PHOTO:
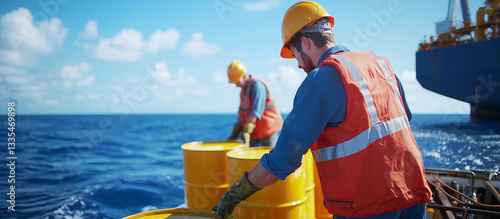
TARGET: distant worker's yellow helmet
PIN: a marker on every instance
(298, 16)
(235, 71)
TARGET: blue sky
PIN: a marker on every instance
(115, 57)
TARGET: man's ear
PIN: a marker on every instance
(305, 43)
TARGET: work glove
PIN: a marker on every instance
(236, 131)
(238, 192)
(247, 131)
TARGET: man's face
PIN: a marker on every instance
(304, 61)
(241, 82)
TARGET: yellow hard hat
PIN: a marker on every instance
(235, 71)
(298, 16)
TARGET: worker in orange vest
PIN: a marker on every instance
(351, 112)
(259, 118)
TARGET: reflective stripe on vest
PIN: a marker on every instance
(361, 141)
(388, 77)
(362, 84)
(268, 107)
(378, 130)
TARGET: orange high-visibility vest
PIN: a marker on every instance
(271, 120)
(370, 164)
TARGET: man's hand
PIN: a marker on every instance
(238, 192)
(247, 131)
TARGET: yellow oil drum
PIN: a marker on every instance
(321, 212)
(308, 163)
(177, 213)
(284, 199)
(205, 172)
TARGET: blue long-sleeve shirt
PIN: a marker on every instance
(320, 101)
(258, 95)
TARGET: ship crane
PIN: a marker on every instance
(451, 22)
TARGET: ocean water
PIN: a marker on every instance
(111, 166)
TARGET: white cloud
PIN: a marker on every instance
(87, 81)
(160, 85)
(74, 72)
(196, 46)
(37, 89)
(288, 78)
(200, 91)
(19, 79)
(86, 46)
(129, 46)
(75, 75)
(33, 89)
(274, 60)
(115, 98)
(90, 31)
(27, 87)
(118, 88)
(22, 42)
(408, 76)
(261, 5)
(162, 75)
(44, 102)
(178, 91)
(10, 70)
(284, 84)
(15, 76)
(220, 77)
(163, 40)
(164, 85)
(161, 72)
(125, 46)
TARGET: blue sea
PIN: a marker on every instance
(111, 166)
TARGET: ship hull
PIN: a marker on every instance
(468, 72)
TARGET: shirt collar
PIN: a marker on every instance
(330, 52)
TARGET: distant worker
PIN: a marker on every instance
(259, 119)
(351, 112)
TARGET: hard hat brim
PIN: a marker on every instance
(286, 53)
